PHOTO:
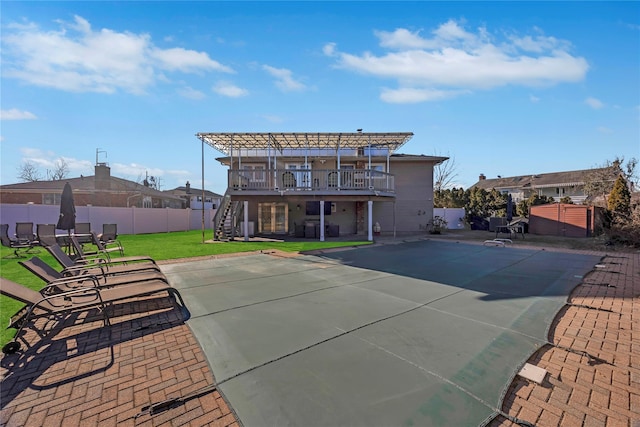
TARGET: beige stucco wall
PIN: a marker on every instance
(414, 199)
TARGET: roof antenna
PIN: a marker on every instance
(98, 151)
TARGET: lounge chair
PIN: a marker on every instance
(115, 246)
(16, 245)
(70, 267)
(46, 234)
(82, 231)
(103, 255)
(44, 304)
(25, 234)
(50, 275)
(109, 235)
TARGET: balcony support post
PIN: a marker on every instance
(322, 220)
(370, 220)
(246, 220)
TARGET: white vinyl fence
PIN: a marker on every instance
(453, 216)
(129, 220)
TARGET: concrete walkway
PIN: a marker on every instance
(80, 375)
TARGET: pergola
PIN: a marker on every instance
(273, 142)
(227, 142)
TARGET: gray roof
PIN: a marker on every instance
(86, 184)
(195, 191)
(544, 180)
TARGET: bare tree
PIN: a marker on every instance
(444, 174)
(599, 182)
(60, 170)
(28, 172)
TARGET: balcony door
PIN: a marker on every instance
(302, 173)
(273, 218)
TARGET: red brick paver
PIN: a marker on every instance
(594, 365)
(82, 373)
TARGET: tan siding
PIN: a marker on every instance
(414, 199)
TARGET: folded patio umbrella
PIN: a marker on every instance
(67, 219)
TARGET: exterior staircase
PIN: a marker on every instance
(226, 219)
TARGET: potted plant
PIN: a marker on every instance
(438, 223)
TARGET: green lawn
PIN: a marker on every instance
(162, 246)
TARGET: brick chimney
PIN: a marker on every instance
(482, 177)
(103, 176)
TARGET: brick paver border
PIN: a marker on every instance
(147, 369)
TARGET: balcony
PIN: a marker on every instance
(312, 181)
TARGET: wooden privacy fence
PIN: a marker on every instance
(558, 219)
(129, 220)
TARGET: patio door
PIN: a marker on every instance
(273, 218)
(302, 173)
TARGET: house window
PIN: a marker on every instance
(51, 199)
(253, 173)
(146, 202)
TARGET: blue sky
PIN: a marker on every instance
(504, 88)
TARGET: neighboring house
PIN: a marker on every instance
(193, 197)
(556, 184)
(102, 189)
(323, 184)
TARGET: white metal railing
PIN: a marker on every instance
(310, 179)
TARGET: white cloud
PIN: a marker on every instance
(534, 99)
(230, 90)
(454, 59)
(191, 93)
(15, 114)
(284, 79)
(47, 160)
(77, 58)
(594, 103)
(413, 96)
(329, 49)
(187, 61)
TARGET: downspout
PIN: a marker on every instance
(338, 154)
(269, 157)
(370, 161)
(202, 157)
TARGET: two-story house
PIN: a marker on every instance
(555, 184)
(318, 185)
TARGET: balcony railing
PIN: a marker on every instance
(310, 179)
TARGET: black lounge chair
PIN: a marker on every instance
(103, 255)
(46, 234)
(109, 236)
(114, 246)
(123, 265)
(47, 303)
(25, 234)
(50, 275)
(16, 245)
(82, 231)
